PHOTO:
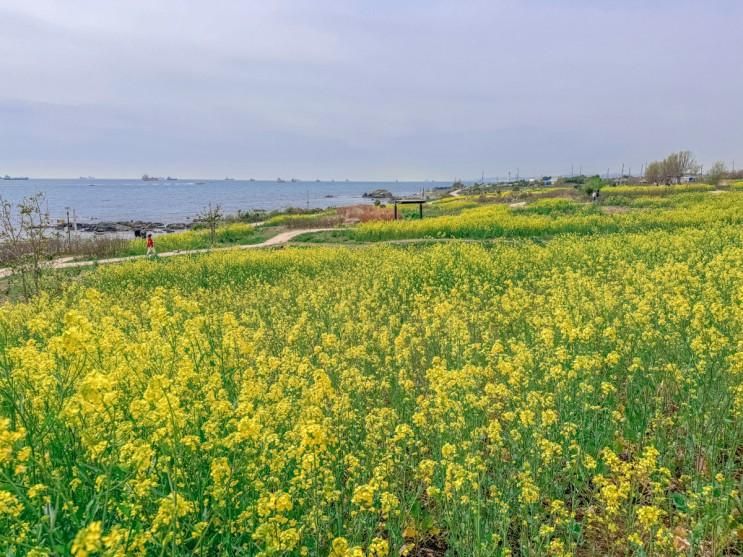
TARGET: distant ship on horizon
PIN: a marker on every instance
(6, 177)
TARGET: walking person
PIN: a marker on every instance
(150, 245)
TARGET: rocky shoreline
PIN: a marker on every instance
(379, 194)
(106, 227)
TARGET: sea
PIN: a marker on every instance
(90, 200)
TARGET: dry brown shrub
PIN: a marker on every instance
(365, 213)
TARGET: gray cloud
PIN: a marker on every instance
(364, 89)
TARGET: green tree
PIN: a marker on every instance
(592, 184)
(654, 172)
(717, 172)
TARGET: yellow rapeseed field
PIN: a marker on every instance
(576, 395)
(556, 216)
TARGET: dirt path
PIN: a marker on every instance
(282, 238)
(456, 193)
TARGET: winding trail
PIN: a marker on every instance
(279, 239)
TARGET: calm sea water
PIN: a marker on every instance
(179, 201)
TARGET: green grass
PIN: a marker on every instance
(228, 235)
(645, 201)
(342, 235)
(655, 190)
(328, 217)
(556, 207)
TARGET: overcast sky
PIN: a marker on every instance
(374, 89)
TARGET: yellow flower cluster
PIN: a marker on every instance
(548, 217)
(582, 394)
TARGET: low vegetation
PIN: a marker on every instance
(221, 236)
(548, 218)
(575, 390)
(317, 219)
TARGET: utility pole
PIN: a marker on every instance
(69, 230)
(572, 173)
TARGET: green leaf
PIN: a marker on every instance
(679, 501)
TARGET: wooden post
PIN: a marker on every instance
(395, 211)
(420, 209)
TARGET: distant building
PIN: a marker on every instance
(547, 180)
(687, 179)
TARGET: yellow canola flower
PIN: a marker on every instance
(9, 505)
(577, 389)
(88, 540)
